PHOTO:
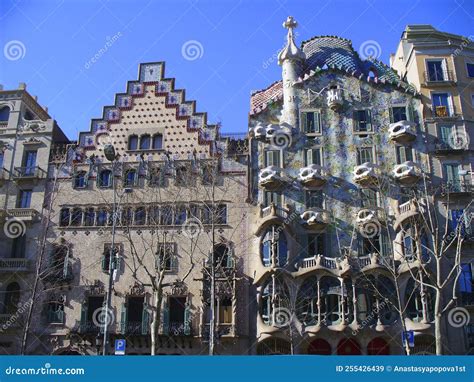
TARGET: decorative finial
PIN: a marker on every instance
(290, 51)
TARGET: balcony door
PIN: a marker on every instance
(436, 70)
(29, 162)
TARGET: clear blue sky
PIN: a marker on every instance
(238, 40)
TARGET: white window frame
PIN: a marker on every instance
(444, 67)
(371, 116)
(374, 159)
(407, 112)
(319, 112)
(450, 101)
(321, 156)
(280, 158)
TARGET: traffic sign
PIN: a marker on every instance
(120, 346)
(410, 336)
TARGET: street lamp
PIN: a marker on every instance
(110, 154)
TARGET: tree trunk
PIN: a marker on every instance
(438, 323)
(155, 324)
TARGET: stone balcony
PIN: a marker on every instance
(365, 174)
(407, 210)
(270, 178)
(272, 133)
(14, 265)
(407, 173)
(312, 176)
(368, 215)
(402, 132)
(25, 214)
(315, 219)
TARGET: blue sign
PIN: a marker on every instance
(120, 346)
(410, 336)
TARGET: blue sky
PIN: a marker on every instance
(236, 44)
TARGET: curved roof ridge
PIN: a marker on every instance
(254, 92)
(303, 43)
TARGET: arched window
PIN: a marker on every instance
(319, 347)
(130, 178)
(64, 217)
(11, 298)
(275, 308)
(80, 179)
(28, 116)
(127, 216)
(419, 300)
(132, 142)
(378, 346)
(140, 216)
(307, 302)
(274, 247)
(372, 73)
(105, 178)
(274, 346)
(348, 346)
(331, 300)
(157, 142)
(4, 114)
(76, 217)
(145, 142)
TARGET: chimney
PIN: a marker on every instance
(35, 98)
(22, 86)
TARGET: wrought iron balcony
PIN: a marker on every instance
(443, 112)
(29, 173)
(134, 328)
(177, 329)
(460, 186)
(445, 148)
(438, 77)
(14, 265)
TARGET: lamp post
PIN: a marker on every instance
(111, 155)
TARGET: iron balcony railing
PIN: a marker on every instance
(443, 112)
(439, 76)
(29, 172)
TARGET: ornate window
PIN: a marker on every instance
(101, 217)
(275, 306)
(64, 217)
(274, 247)
(76, 217)
(139, 216)
(116, 259)
(166, 257)
(55, 312)
(89, 217)
(419, 300)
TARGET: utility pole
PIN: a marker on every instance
(212, 325)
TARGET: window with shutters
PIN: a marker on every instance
(398, 113)
(403, 154)
(130, 178)
(18, 247)
(132, 316)
(272, 158)
(362, 121)
(270, 197)
(116, 259)
(274, 247)
(166, 259)
(314, 199)
(368, 198)
(378, 244)
(89, 313)
(80, 179)
(223, 309)
(104, 179)
(451, 177)
(55, 313)
(313, 156)
(311, 122)
(24, 199)
(178, 310)
(442, 105)
(445, 134)
(156, 177)
(364, 155)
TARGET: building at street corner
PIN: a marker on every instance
(338, 155)
(309, 234)
(441, 67)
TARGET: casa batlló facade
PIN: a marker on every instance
(301, 237)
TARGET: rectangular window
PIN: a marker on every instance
(272, 197)
(470, 69)
(314, 199)
(442, 105)
(24, 199)
(272, 158)
(29, 162)
(55, 313)
(316, 245)
(436, 70)
(398, 113)
(224, 310)
(18, 247)
(368, 198)
(106, 257)
(313, 156)
(451, 176)
(177, 306)
(456, 220)
(404, 154)
(364, 155)
(466, 281)
(445, 133)
(165, 256)
(311, 122)
(472, 100)
(362, 121)
(221, 214)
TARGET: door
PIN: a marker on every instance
(30, 162)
